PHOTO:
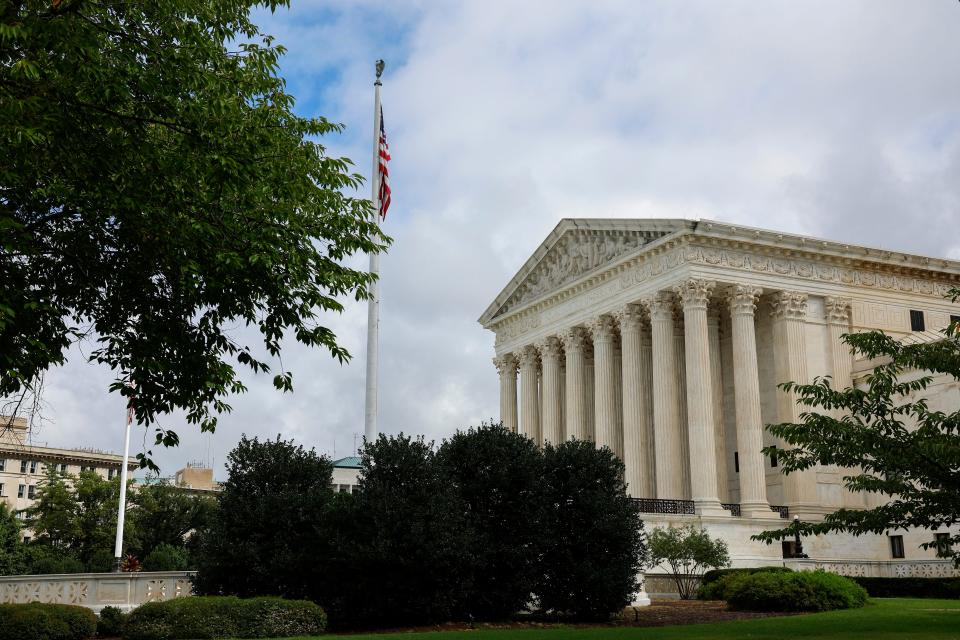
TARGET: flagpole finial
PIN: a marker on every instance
(380, 65)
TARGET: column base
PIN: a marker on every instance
(709, 508)
(758, 511)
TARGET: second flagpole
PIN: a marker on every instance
(370, 429)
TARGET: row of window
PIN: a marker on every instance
(942, 540)
(31, 466)
(917, 322)
(23, 491)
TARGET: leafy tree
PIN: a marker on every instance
(498, 474)
(409, 543)
(263, 537)
(906, 450)
(167, 557)
(688, 552)
(96, 511)
(593, 543)
(162, 514)
(53, 516)
(13, 557)
(157, 188)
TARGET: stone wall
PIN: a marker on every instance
(97, 590)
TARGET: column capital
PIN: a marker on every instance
(743, 298)
(573, 339)
(694, 293)
(505, 364)
(630, 317)
(527, 356)
(549, 347)
(602, 329)
(660, 306)
(837, 310)
(790, 305)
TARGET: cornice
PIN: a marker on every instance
(756, 251)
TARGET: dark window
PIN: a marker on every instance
(773, 457)
(789, 548)
(23, 466)
(954, 319)
(32, 491)
(943, 545)
(736, 461)
(21, 490)
(3, 464)
(896, 546)
(916, 320)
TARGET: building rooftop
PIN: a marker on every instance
(350, 462)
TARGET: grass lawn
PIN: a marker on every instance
(895, 618)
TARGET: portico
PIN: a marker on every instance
(666, 340)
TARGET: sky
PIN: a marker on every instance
(833, 119)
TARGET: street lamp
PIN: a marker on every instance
(797, 543)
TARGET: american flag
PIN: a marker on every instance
(384, 174)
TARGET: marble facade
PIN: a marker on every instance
(665, 340)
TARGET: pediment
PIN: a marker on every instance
(575, 249)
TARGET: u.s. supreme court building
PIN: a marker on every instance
(665, 340)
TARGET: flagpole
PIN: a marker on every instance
(122, 508)
(373, 303)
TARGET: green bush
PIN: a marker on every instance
(224, 617)
(946, 588)
(43, 621)
(166, 557)
(716, 582)
(797, 591)
(110, 624)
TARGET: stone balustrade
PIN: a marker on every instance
(97, 590)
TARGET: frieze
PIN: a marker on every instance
(811, 270)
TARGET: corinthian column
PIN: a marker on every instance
(837, 312)
(695, 295)
(637, 460)
(789, 312)
(507, 368)
(716, 387)
(746, 383)
(666, 413)
(529, 394)
(549, 349)
(573, 341)
(605, 409)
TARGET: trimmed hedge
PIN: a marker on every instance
(945, 588)
(110, 624)
(716, 582)
(224, 617)
(796, 591)
(44, 621)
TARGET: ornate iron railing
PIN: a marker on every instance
(656, 505)
(732, 507)
(783, 510)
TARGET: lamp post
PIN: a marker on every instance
(797, 543)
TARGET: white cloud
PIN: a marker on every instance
(834, 119)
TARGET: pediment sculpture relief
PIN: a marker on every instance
(574, 255)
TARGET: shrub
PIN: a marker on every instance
(592, 535)
(687, 552)
(110, 624)
(716, 582)
(796, 591)
(224, 617)
(43, 621)
(167, 557)
(946, 588)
